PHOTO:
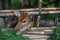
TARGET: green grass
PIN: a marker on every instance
(8, 35)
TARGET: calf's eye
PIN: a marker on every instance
(24, 21)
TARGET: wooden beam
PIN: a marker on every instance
(6, 11)
(45, 12)
(52, 9)
(41, 32)
(6, 14)
(43, 9)
(36, 36)
(32, 9)
(43, 28)
(50, 12)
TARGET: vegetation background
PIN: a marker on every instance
(17, 4)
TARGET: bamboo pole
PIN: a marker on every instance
(8, 13)
(40, 33)
(32, 9)
(43, 28)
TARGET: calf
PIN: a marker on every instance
(24, 22)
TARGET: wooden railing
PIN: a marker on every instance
(31, 11)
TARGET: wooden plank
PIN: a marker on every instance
(42, 28)
(50, 12)
(6, 14)
(6, 10)
(36, 36)
(31, 9)
(45, 12)
(40, 33)
(49, 30)
(38, 39)
(52, 9)
(37, 9)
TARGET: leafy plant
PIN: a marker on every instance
(56, 35)
(8, 35)
(48, 3)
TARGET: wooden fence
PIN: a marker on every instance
(31, 11)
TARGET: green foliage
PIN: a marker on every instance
(58, 15)
(35, 3)
(47, 16)
(48, 3)
(56, 35)
(8, 35)
(6, 4)
(16, 4)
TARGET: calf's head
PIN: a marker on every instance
(24, 22)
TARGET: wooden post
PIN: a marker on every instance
(55, 19)
(38, 19)
(40, 4)
(56, 15)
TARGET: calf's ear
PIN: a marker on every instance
(31, 17)
(17, 13)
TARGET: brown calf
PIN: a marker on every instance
(24, 22)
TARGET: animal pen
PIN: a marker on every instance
(34, 15)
